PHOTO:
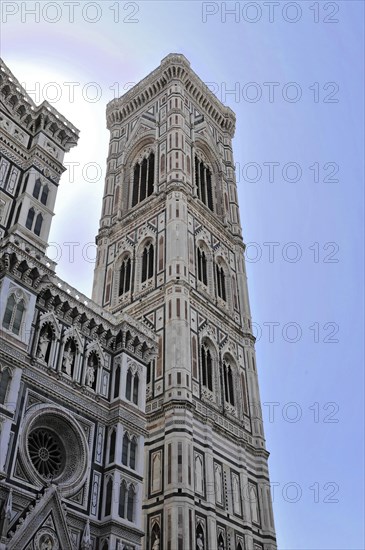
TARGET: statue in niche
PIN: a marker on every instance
(43, 343)
(92, 364)
(200, 542)
(68, 359)
(90, 376)
(156, 544)
(221, 547)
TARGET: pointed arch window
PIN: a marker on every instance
(221, 282)
(130, 503)
(133, 453)
(129, 451)
(201, 261)
(128, 389)
(38, 224)
(17, 213)
(108, 496)
(112, 442)
(116, 382)
(147, 262)
(125, 276)
(203, 182)
(44, 195)
(228, 383)
(132, 387)
(30, 218)
(122, 498)
(207, 367)
(150, 368)
(125, 449)
(143, 179)
(5, 378)
(37, 188)
(244, 394)
(14, 311)
(135, 389)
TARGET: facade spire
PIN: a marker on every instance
(86, 539)
(6, 516)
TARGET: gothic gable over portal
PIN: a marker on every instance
(44, 526)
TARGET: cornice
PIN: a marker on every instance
(26, 113)
(48, 286)
(173, 67)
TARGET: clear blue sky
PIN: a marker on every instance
(310, 124)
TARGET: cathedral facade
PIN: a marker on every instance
(131, 420)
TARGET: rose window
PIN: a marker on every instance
(53, 446)
(46, 452)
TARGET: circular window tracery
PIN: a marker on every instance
(53, 447)
(46, 452)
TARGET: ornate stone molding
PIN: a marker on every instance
(173, 67)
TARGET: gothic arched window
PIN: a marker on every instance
(201, 261)
(130, 503)
(125, 276)
(203, 182)
(17, 213)
(147, 262)
(207, 368)
(5, 377)
(38, 224)
(228, 383)
(135, 389)
(122, 499)
(143, 179)
(37, 188)
(116, 382)
(30, 218)
(132, 387)
(108, 496)
(129, 451)
(149, 369)
(44, 195)
(14, 312)
(125, 449)
(244, 394)
(133, 453)
(112, 442)
(221, 282)
(128, 388)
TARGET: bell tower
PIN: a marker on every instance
(171, 255)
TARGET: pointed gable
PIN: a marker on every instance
(46, 520)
